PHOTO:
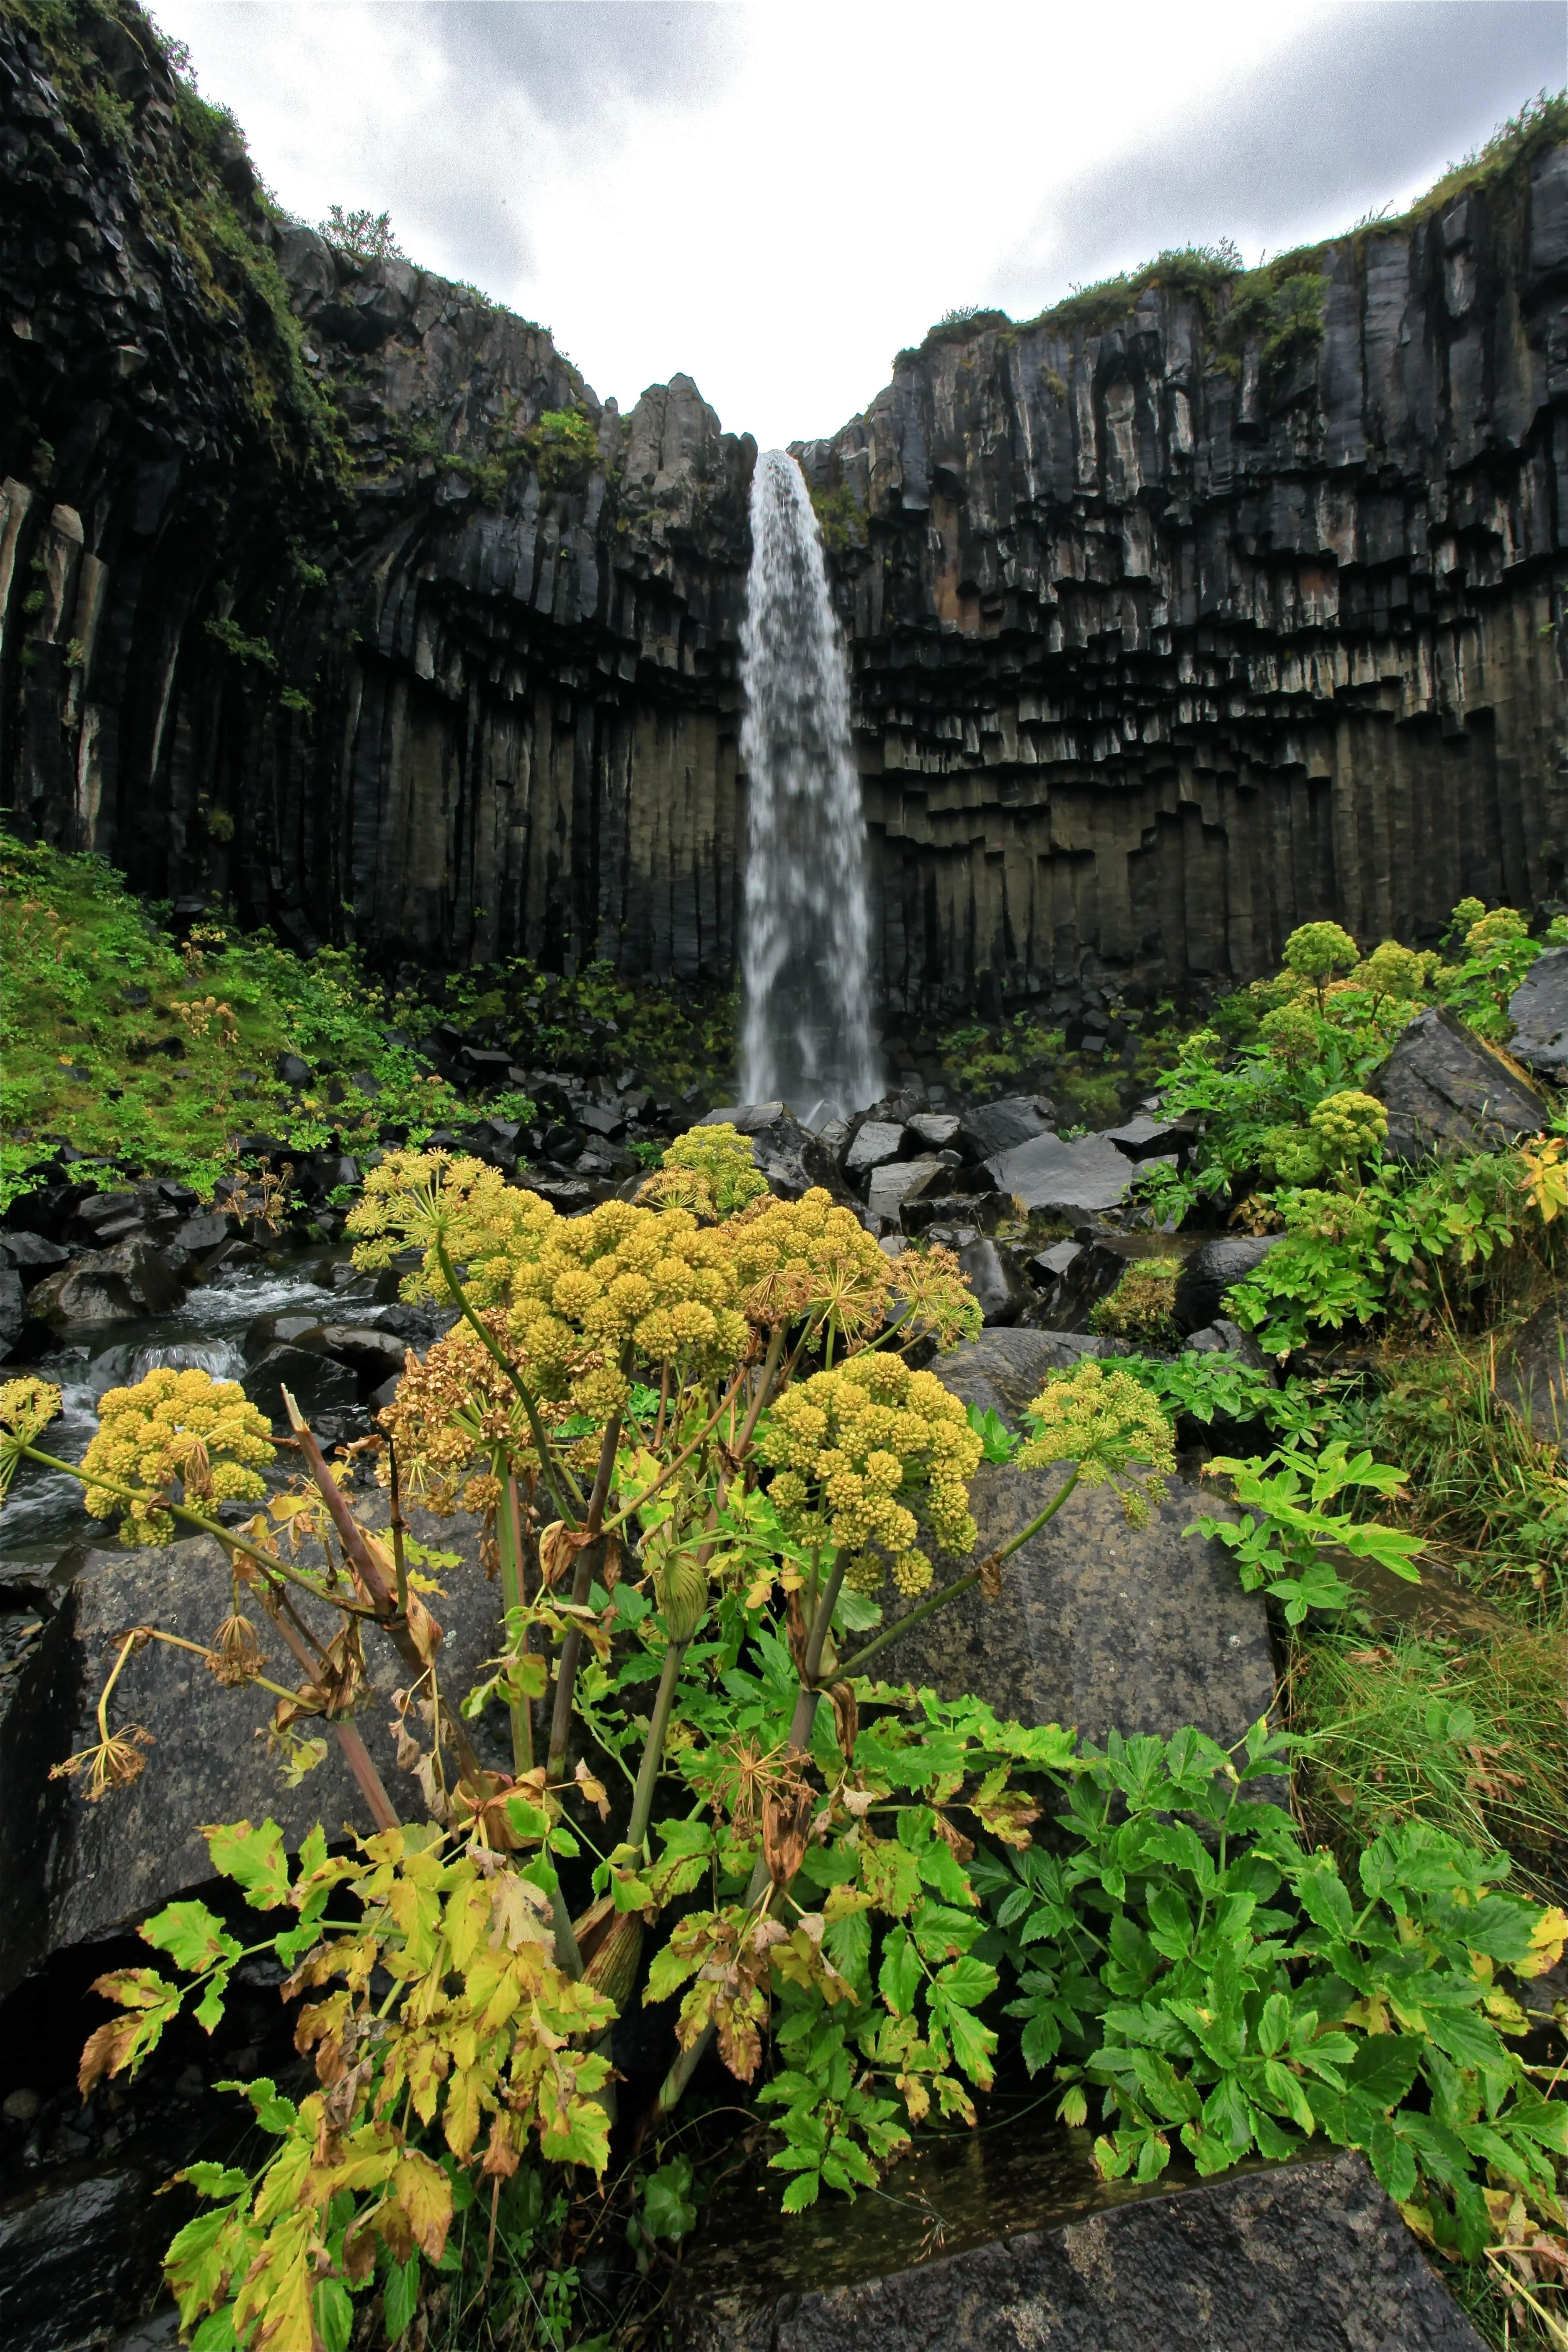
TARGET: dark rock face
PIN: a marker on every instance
(1209, 1272)
(1197, 644)
(1101, 1625)
(108, 1286)
(318, 1384)
(991, 1275)
(1538, 1011)
(1312, 2255)
(74, 2253)
(102, 1866)
(1532, 1373)
(1200, 647)
(1442, 1086)
(998, 1126)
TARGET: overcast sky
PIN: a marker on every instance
(775, 194)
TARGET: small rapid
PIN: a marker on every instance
(44, 1509)
(807, 1030)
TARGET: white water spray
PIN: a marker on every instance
(806, 1036)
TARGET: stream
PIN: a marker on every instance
(44, 1512)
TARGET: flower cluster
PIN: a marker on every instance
(1349, 1125)
(793, 1258)
(710, 1170)
(28, 1406)
(415, 1200)
(587, 1289)
(450, 1417)
(1109, 1424)
(846, 1446)
(1315, 952)
(184, 1425)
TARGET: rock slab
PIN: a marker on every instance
(1538, 1011)
(1057, 1179)
(1101, 1625)
(1312, 2256)
(102, 1866)
(1443, 1087)
(1533, 1372)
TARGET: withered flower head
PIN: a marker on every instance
(113, 1763)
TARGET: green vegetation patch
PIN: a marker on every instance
(153, 1059)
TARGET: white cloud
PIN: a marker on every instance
(773, 197)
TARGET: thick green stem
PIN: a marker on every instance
(653, 1749)
(555, 1471)
(581, 1579)
(510, 1531)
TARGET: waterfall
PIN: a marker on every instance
(806, 1033)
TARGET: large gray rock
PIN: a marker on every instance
(1443, 1086)
(1533, 1372)
(1008, 1369)
(108, 1286)
(1101, 1625)
(318, 1383)
(892, 1184)
(792, 1159)
(99, 1867)
(11, 1315)
(998, 1126)
(1311, 2256)
(1056, 1179)
(877, 1141)
(1147, 1137)
(1538, 1011)
(1211, 1269)
(77, 2252)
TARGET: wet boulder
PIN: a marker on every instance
(109, 1285)
(12, 1317)
(1210, 1271)
(1148, 1137)
(375, 1355)
(937, 1130)
(1538, 1011)
(102, 1866)
(1533, 1372)
(1312, 2255)
(993, 1277)
(876, 1141)
(1444, 1088)
(934, 1210)
(896, 1181)
(1001, 1126)
(320, 1386)
(793, 1160)
(1101, 1624)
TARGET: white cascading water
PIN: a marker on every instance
(807, 1031)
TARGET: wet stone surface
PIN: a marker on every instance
(91, 1869)
(1009, 2243)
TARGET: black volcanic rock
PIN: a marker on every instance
(1443, 1087)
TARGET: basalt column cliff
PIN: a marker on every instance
(1202, 606)
(1165, 642)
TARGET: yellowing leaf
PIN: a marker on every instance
(423, 2195)
(1547, 1938)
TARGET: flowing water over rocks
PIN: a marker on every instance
(807, 1036)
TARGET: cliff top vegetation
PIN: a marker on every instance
(1276, 298)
